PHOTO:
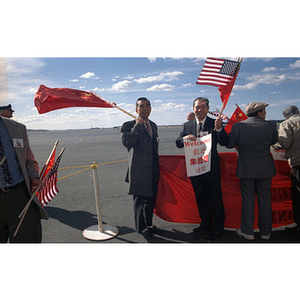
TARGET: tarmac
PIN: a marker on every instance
(74, 208)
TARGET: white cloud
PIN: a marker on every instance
(255, 80)
(74, 80)
(269, 69)
(168, 76)
(295, 65)
(121, 86)
(88, 75)
(161, 87)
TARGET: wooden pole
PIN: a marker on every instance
(125, 111)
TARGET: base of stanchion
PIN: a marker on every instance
(93, 233)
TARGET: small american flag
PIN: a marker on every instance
(217, 72)
(49, 190)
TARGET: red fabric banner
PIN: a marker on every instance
(47, 99)
(176, 199)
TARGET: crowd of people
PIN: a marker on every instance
(253, 137)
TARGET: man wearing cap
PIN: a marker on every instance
(289, 139)
(6, 111)
(19, 178)
(255, 167)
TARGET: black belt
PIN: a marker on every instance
(7, 189)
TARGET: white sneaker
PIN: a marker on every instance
(244, 235)
(265, 237)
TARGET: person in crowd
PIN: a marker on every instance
(253, 138)
(207, 187)
(140, 137)
(6, 111)
(289, 139)
(19, 177)
(190, 116)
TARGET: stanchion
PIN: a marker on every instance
(101, 231)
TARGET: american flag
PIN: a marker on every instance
(217, 72)
(49, 190)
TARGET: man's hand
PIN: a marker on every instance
(139, 120)
(190, 137)
(218, 123)
(35, 184)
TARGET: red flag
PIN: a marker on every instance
(49, 190)
(237, 116)
(47, 99)
(176, 200)
(49, 163)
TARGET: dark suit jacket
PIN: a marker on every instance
(190, 127)
(27, 162)
(253, 137)
(143, 157)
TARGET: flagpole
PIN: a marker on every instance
(125, 111)
(23, 213)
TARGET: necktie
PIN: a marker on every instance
(200, 129)
(149, 129)
(4, 165)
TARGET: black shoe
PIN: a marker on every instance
(293, 229)
(148, 235)
(215, 235)
(202, 228)
(155, 230)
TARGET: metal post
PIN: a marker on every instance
(100, 231)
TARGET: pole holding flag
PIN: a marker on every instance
(100, 231)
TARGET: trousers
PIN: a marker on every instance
(143, 208)
(262, 189)
(12, 202)
(295, 193)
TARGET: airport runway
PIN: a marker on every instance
(74, 208)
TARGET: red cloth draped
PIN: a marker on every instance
(176, 199)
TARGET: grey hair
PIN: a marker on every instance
(289, 111)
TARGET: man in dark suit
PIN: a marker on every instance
(19, 177)
(140, 137)
(207, 187)
(255, 167)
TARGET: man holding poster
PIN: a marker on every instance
(206, 182)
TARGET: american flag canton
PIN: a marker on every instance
(55, 166)
(229, 67)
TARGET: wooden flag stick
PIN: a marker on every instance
(125, 111)
(25, 210)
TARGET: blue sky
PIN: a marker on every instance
(169, 83)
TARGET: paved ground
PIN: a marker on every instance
(74, 209)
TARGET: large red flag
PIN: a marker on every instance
(176, 200)
(237, 116)
(47, 99)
